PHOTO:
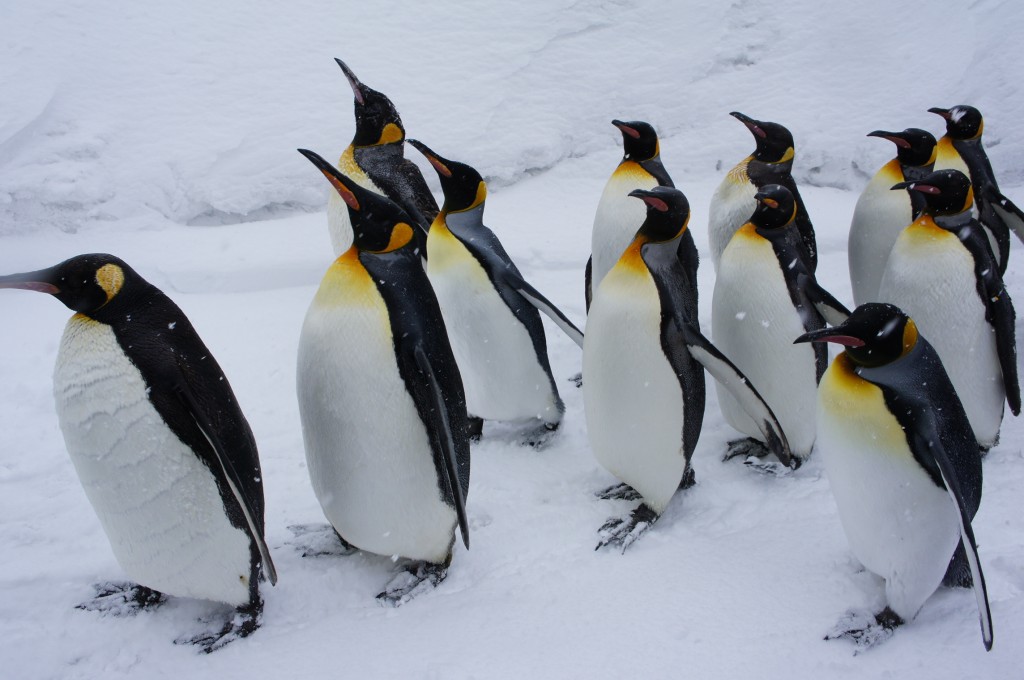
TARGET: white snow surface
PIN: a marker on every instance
(165, 134)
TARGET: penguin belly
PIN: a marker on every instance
(632, 399)
(501, 373)
(930, 275)
(732, 204)
(157, 501)
(618, 217)
(339, 226)
(367, 450)
(754, 323)
(900, 524)
(879, 217)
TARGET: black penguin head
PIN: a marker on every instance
(639, 140)
(776, 208)
(377, 119)
(945, 192)
(962, 121)
(379, 225)
(85, 283)
(774, 142)
(914, 146)
(462, 185)
(668, 213)
(874, 334)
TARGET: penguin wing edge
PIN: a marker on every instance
(1011, 215)
(533, 296)
(832, 310)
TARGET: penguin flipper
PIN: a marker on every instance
(1011, 215)
(832, 310)
(534, 297)
(227, 468)
(1000, 314)
(443, 427)
(588, 282)
(730, 377)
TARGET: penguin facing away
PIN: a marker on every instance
(881, 214)
(733, 200)
(375, 160)
(619, 216)
(941, 269)
(643, 383)
(764, 297)
(492, 313)
(901, 459)
(164, 454)
(380, 398)
(961, 149)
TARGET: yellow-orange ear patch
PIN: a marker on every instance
(110, 278)
(391, 134)
(401, 234)
(910, 336)
(788, 156)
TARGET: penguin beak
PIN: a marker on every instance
(626, 129)
(945, 113)
(917, 186)
(40, 281)
(833, 334)
(434, 159)
(337, 180)
(893, 137)
(650, 199)
(761, 197)
(353, 82)
(752, 125)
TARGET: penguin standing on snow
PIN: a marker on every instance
(881, 214)
(942, 274)
(619, 216)
(733, 201)
(764, 297)
(375, 160)
(164, 454)
(492, 314)
(381, 402)
(643, 385)
(902, 463)
(961, 149)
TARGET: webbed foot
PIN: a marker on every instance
(122, 599)
(755, 451)
(243, 622)
(865, 630)
(624, 531)
(577, 380)
(619, 492)
(474, 428)
(414, 579)
(540, 437)
(319, 540)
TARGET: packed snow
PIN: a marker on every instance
(167, 134)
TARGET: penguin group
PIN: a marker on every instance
(423, 328)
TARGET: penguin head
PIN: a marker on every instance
(945, 192)
(774, 141)
(639, 140)
(85, 283)
(776, 208)
(463, 187)
(962, 121)
(377, 119)
(914, 146)
(875, 334)
(668, 213)
(379, 225)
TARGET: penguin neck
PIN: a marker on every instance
(762, 173)
(954, 222)
(463, 223)
(915, 173)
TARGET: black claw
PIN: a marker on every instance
(243, 623)
(122, 599)
(623, 531)
(619, 492)
(414, 579)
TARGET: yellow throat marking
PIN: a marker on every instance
(347, 282)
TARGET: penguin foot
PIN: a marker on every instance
(243, 623)
(474, 428)
(755, 451)
(540, 437)
(624, 531)
(866, 630)
(619, 492)
(577, 379)
(414, 579)
(320, 540)
(122, 599)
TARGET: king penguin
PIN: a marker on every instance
(942, 273)
(733, 200)
(380, 398)
(492, 313)
(961, 149)
(158, 440)
(643, 385)
(902, 463)
(619, 216)
(375, 160)
(764, 297)
(881, 214)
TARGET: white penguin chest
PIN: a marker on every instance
(732, 204)
(156, 500)
(632, 398)
(618, 218)
(878, 218)
(339, 225)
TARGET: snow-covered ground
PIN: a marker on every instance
(165, 133)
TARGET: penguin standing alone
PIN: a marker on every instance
(643, 385)
(380, 398)
(901, 459)
(764, 297)
(733, 201)
(491, 312)
(164, 454)
(881, 214)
